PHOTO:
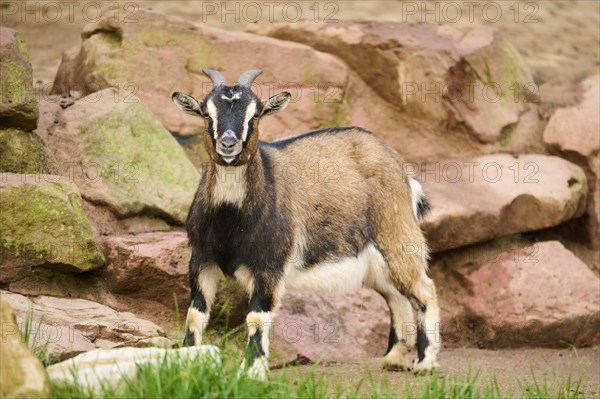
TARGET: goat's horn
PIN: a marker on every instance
(248, 77)
(217, 77)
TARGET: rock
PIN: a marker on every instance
(575, 129)
(541, 295)
(107, 223)
(18, 101)
(331, 327)
(143, 224)
(97, 369)
(471, 77)
(23, 152)
(50, 114)
(160, 54)
(573, 133)
(152, 266)
(22, 375)
(195, 149)
(143, 274)
(496, 195)
(91, 285)
(72, 326)
(448, 269)
(121, 157)
(94, 287)
(43, 225)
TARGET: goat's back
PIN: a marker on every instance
(342, 185)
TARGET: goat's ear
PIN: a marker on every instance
(187, 104)
(276, 103)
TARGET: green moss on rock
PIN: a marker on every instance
(506, 134)
(23, 152)
(151, 160)
(21, 46)
(43, 225)
(142, 170)
(18, 102)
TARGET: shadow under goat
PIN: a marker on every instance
(328, 210)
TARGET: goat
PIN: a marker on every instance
(327, 210)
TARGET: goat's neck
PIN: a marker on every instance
(234, 184)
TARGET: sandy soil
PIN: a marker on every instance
(512, 369)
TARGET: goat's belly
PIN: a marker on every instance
(343, 275)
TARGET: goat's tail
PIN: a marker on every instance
(420, 203)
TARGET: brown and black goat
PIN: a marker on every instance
(328, 210)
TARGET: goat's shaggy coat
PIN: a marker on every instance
(328, 210)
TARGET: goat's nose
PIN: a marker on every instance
(228, 140)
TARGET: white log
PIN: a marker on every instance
(108, 367)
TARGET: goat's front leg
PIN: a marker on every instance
(264, 302)
(204, 278)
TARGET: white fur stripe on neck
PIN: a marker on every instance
(230, 185)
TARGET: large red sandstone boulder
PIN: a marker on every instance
(121, 157)
(332, 327)
(473, 77)
(71, 326)
(538, 295)
(160, 54)
(94, 287)
(152, 266)
(574, 133)
(496, 195)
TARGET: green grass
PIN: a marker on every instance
(31, 337)
(196, 378)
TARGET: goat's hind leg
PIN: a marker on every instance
(424, 301)
(407, 271)
(402, 323)
(402, 330)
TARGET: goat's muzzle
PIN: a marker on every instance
(228, 146)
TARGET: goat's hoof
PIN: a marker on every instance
(396, 367)
(425, 366)
(258, 371)
(397, 359)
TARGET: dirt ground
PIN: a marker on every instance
(513, 370)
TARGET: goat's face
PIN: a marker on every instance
(231, 115)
